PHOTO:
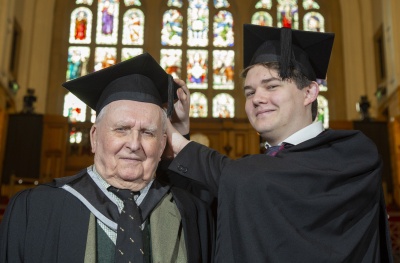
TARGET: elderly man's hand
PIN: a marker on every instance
(180, 118)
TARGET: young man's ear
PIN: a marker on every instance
(311, 93)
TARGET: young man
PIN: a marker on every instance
(316, 196)
(116, 210)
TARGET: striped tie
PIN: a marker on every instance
(273, 150)
(129, 245)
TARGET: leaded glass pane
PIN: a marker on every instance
(92, 116)
(310, 4)
(127, 53)
(81, 26)
(323, 111)
(197, 69)
(133, 23)
(288, 15)
(171, 61)
(107, 22)
(74, 108)
(314, 21)
(85, 2)
(221, 3)
(77, 62)
(198, 105)
(262, 18)
(223, 106)
(171, 32)
(322, 85)
(266, 4)
(105, 57)
(223, 29)
(223, 69)
(132, 2)
(198, 23)
(175, 3)
(75, 136)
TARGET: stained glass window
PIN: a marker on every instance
(107, 22)
(198, 13)
(96, 43)
(287, 15)
(223, 29)
(223, 106)
(86, 2)
(223, 69)
(81, 26)
(176, 3)
(171, 33)
(310, 4)
(77, 62)
(198, 105)
(132, 2)
(133, 27)
(314, 21)
(201, 56)
(262, 18)
(266, 4)
(171, 61)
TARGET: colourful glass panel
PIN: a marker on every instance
(127, 53)
(198, 14)
(262, 18)
(221, 3)
(107, 22)
(197, 69)
(322, 85)
(266, 4)
(223, 69)
(85, 2)
(288, 15)
(133, 24)
(314, 21)
(132, 2)
(81, 26)
(74, 108)
(175, 3)
(92, 116)
(310, 4)
(75, 136)
(171, 32)
(104, 57)
(77, 62)
(198, 105)
(223, 106)
(323, 111)
(223, 29)
(171, 61)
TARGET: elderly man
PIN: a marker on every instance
(115, 210)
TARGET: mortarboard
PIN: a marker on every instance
(140, 78)
(305, 50)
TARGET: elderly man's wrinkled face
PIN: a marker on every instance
(128, 140)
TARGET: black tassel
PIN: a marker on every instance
(170, 108)
(286, 53)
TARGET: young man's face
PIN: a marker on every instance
(275, 108)
(128, 141)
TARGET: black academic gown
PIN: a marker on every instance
(48, 224)
(319, 201)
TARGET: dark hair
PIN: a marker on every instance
(297, 77)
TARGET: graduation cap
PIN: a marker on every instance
(307, 51)
(140, 78)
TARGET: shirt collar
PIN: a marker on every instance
(104, 184)
(303, 135)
